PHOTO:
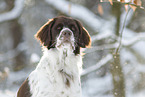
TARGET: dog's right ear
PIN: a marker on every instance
(44, 34)
(84, 37)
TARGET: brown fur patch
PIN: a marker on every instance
(24, 90)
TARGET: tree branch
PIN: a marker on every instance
(121, 33)
(140, 7)
(102, 36)
(101, 63)
(125, 42)
(14, 13)
(130, 42)
(13, 53)
(125, 3)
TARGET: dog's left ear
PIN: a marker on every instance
(84, 37)
(44, 34)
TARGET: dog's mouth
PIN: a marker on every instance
(65, 43)
(67, 40)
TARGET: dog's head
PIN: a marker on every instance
(62, 31)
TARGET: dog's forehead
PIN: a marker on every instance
(65, 20)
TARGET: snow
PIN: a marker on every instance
(140, 47)
(14, 13)
(14, 52)
(99, 64)
(34, 58)
(140, 94)
(102, 36)
(132, 38)
(103, 84)
(7, 93)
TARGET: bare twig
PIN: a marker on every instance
(140, 7)
(121, 33)
(126, 3)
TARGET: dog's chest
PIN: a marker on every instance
(56, 79)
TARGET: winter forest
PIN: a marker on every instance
(114, 66)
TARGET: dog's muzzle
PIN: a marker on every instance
(65, 37)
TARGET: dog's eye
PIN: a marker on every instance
(59, 27)
(73, 28)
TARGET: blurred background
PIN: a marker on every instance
(105, 72)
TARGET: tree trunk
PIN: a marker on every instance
(16, 33)
(118, 77)
(116, 69)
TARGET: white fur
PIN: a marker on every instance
(47, 81)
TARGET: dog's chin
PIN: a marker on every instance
(65, 45)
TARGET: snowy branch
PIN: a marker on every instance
(125, 42)
(101, 47)
(79, 12)
(12, 53)
(130, 42)
(14, 13)
(101, 63)
(102, 36)
(8, 55)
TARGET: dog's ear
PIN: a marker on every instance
(44, 34)
(84, 37)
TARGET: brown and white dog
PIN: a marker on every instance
(58, 72)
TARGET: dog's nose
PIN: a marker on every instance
(66, 33)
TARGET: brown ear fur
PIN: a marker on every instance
(44, 34)
(84, 37)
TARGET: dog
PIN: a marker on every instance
(58, 72)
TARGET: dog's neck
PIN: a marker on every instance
(62, 59)
(65, 52)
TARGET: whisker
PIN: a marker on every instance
(51, 41)
(53, 44)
